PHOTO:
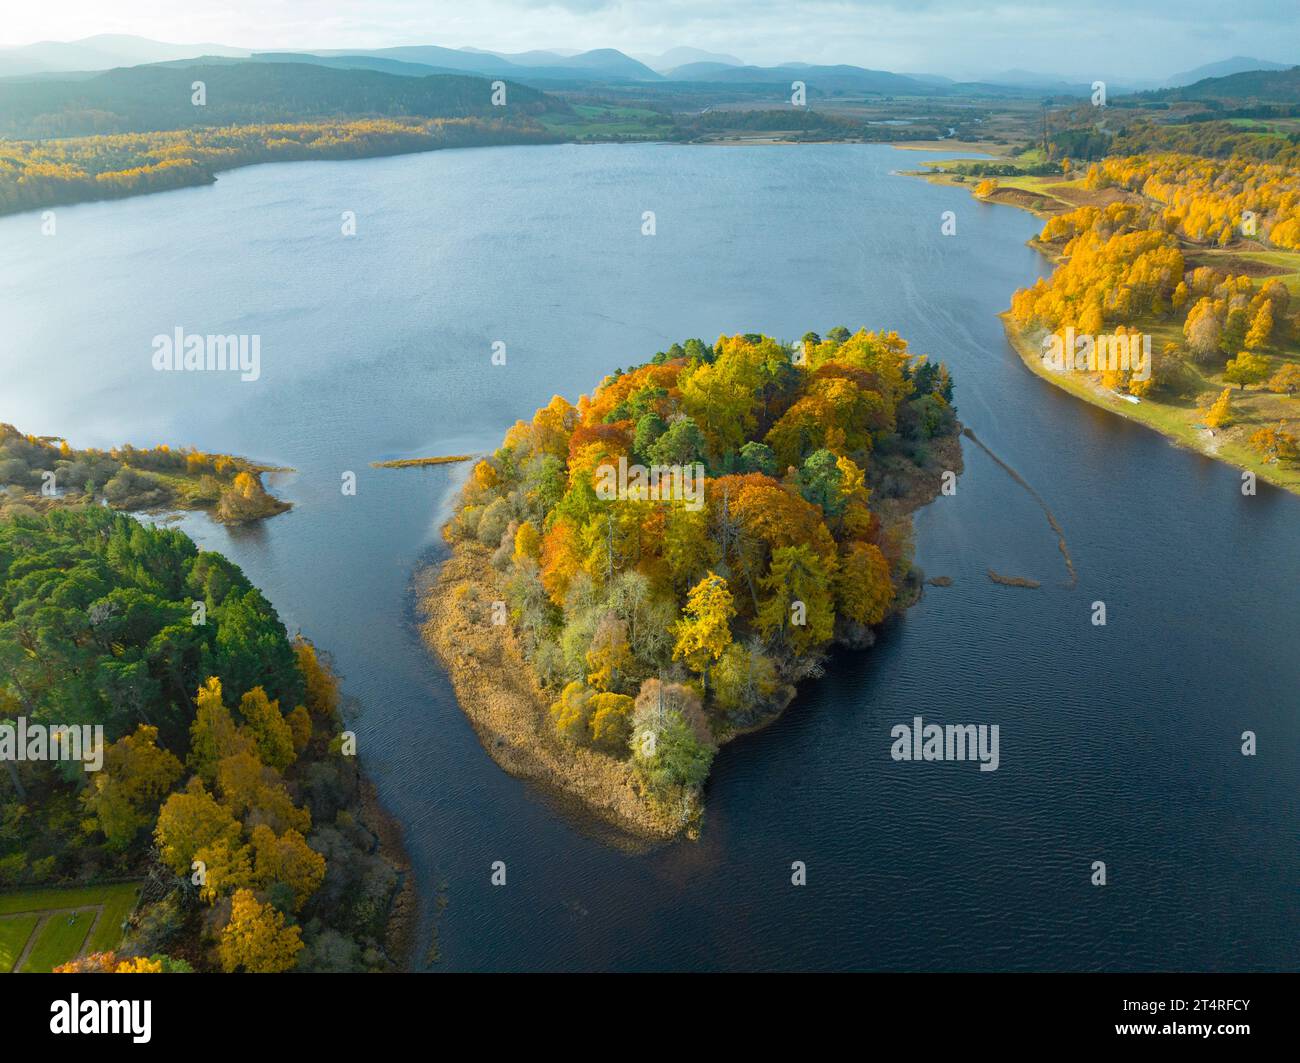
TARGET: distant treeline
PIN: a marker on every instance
(58, 172)
(814, 124)
(1214, 140)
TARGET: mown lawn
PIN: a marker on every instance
(14, 932)
(58, 942)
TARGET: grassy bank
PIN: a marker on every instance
(1179, 421)
(1179, 418)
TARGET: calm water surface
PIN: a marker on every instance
(1119, 743)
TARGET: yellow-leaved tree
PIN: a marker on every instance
(704, 631)
(1220, 412)
(256, 939)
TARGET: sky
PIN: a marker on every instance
(1079, 39)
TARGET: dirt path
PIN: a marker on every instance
(46, 915)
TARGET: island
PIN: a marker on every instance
(637, 579)
(38, 473)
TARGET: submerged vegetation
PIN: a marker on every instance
(40, 472)
(672, 554)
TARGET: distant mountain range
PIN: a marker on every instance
(556, 67)
(601, 63)
(675, 57)
(101, 52)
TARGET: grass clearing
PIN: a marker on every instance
(599, 121)
(14, 932)
(59, 939)
(45, 913)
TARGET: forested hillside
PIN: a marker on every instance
(151, 98)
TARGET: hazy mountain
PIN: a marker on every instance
(1238, 64)
(676, 57)
(593, 65)
(102, 52)
(533, 58)
(1265, 86)
(429, 55)
(702, 71)
(1030, 79)
(355, 62)
(612, 62)
(817, 78)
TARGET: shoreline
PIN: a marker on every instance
(402, 920)
(1201, 441)
(210, 177)
(497, 690)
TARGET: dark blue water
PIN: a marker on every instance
(1118, 743)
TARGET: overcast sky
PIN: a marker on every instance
(1136, 39)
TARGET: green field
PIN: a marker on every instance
(602, 121)
(14, 932)
(53, 926)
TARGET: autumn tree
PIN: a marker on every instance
(610, 656)
(1203, 330)
(798, 607)
(1286, 380)
(1261, 326)
(1246, 368)
(572, 711)
(213, 734)
(287, 860)
(191, 820)
(256, 938)
(323, 697)
(270, 732)
(125, 794)
(224, 866)
(1275, 443)
(863, 588)
(1219, 413)
(704, 631)
(745, 679)
(610, 722)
